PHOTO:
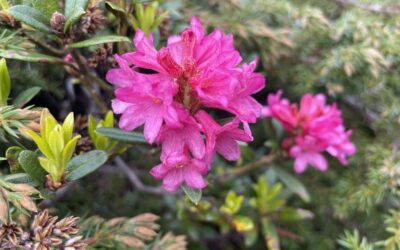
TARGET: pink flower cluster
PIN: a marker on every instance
(314, 127)
(167, 90)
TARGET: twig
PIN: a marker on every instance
(288, 234)
(263, 161)
(86, 81)
(49, 49)
(134, 179)
(374, 8)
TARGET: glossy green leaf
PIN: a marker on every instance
(113, 7)
(30, 164)
(74, 9)
(25, 96)
(121, 135)
(20, 178)
(28, 56)
(293, 184)
(84, 164)
(194, 195)
(99, 40)
(5, 83)
(31, 17)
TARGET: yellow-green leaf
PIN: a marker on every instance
(56, 142)
(69, 150)
(41, 143)
(68, 127)
(5, 84)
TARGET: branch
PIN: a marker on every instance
(46, 47)
(265, 160)
(134, 179)
(374, 8)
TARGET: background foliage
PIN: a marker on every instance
(347, 49)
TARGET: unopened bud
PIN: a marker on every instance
(57, 22)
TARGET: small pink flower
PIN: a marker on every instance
(177, 139)
(150, 104)
(223, 138)
(314, 127)
(178, 168)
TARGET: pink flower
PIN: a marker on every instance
(223, 139)
(314, 127)
(193, 71)
(186, 137)
(178, 168)
(150, 104)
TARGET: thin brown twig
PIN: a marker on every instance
(49, 49)
(86, 82)
(263, 161)
(134, 179)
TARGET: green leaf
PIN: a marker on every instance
(12, 154)
(68, 127)
(115, 8)
(31, 17)
(84, 164)
(121, 135)
(47, 7)
(28, 160)
(74, 9)
(28, 56)
(194, 195)
(5, 83)
(69, 149)
(99, 40)
(293, 184)
(41, 143)
(4, 5)
(232, 203)
(270, 234)
(243, 223)
(20, 178)
(24, 97)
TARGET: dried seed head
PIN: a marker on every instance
(75, 243)
(116, 221)
(145, 218)
(91, 20)
(131, 241)
(57, 22)
(145, 233)
(11, 233)
(66, 227)
(171, 242)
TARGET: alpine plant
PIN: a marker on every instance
(314, 127)
(192, 72)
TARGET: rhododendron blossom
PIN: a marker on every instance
(314, 128)
(194, 71)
